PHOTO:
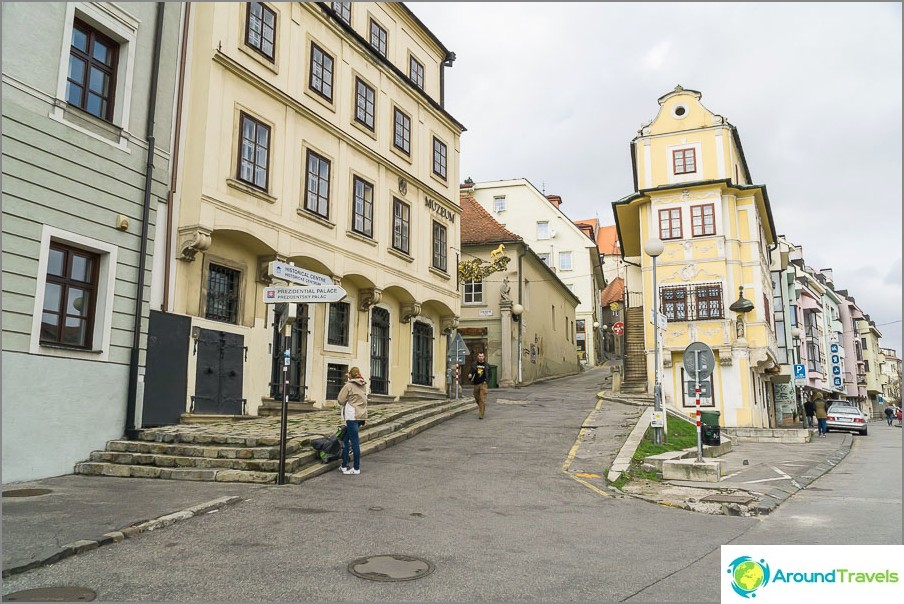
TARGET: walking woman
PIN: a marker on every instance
(819, 401)
(352, 401)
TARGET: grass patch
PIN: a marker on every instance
(681, 435)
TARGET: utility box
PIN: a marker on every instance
(493, 377)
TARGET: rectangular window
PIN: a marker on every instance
(401, 214)
(439, 158)
(364, 103)
(543, 231)
(260, 29)
(703, 220)
(416, 73)
(439, 246)
(363, 211)
(565, 261)
(344, 11)
(378, 37)
(335, 379)
(684, 161)
(699, 302)
(223, 285)
(338, 325)
(317, 189)
(670, 224)
(321, 73)
(254, 152)
(70, 297)
(402, 132)
(91, 81)
(499, 204)
(544, 258)
(863, 344)
(473, 292)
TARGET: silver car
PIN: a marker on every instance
(843, 415)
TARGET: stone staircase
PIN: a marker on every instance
(635, 377)
(421, 393)
(243, 452)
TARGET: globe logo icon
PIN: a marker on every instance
(748, 575)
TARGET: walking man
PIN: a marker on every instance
(810, 410)
(889, 414)
(820, 403)
(478, 376)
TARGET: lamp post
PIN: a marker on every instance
(796, 333)
(602, 349)
(654, 248)
(517, 309)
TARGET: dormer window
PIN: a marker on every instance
(684, 161)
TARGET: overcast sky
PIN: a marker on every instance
(554, 93)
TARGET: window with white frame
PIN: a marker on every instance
(499, 204)
(565, 261)
(703, 220)
(73, 296)
(684, 161)
(473, 291)
(543, 230)
(545, 258)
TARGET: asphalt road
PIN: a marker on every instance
(487, 502)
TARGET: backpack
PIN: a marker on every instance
(329, 448)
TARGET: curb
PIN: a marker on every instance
(86, 545)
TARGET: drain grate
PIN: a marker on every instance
(390, 567)
(719, 498)
(52, 594)
(26, 492)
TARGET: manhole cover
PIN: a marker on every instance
(718, 498)
(26, 492)
(52, 594)
(390, 567)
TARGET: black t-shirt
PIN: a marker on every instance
(478, 373)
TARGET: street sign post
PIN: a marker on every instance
(706, 390)
(660, 319)
(800, 372)
(458, 350)
(618, 328)
(304, 295)
(287, 272)
(699, 358)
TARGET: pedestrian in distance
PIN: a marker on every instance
(819, 402)
(810, 410)
(478, 376)
(352, 401)
(889, 414)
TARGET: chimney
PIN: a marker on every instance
(554, 200)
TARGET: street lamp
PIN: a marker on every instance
(796, 333)
(654, 248)
(517, 310)
(601, 351)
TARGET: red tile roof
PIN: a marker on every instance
(607, 240)
(478, 227)
(614, 292)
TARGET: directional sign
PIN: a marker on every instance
(458, 350)
(618, 328)
(800, 371)
(287, 272)
(302, 295)
(661, 319)
(698, 351)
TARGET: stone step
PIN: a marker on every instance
(176, 461)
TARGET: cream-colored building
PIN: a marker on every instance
(523, 307)
(872, 359)
(694, 193)
(571, 254)
(313, 134)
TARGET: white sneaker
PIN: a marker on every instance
(351, 471)
(343, 469)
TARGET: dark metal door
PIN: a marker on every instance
(218, 383)
(379, 351)
(298, 358)
(422, 361)
(166, 377)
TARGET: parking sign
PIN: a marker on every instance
(800, 372)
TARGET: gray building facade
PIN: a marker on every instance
(88, 97)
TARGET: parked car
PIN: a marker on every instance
(844, 415)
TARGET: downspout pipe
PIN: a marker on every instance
(132, 400)
(447, 62)
(521, 302)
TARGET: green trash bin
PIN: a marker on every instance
(709, 418)
(493, 377)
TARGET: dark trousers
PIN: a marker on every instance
(351, 441)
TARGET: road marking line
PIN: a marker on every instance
(766, 480)
(574, 452)
(794, 482)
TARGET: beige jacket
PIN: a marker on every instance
(355, 394)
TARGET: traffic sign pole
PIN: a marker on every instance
(697, 390)
(284, 419)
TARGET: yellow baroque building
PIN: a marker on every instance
(694, 193)
(313, 134)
